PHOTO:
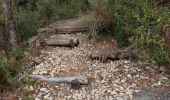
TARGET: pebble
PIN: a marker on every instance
(111, 98)
(133, 71)
(44, 90)
(163, 69)
(119, 98)
(107, 80)
(37, 98)
(46, 96)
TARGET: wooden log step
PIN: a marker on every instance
(70, 30)
(62, 42)
(75, 82)
(104, 56)
(70, 26)
(46, 30)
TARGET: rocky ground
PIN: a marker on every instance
(114, 80)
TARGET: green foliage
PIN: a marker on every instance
(17, 54)
(6, 73)
(27, 24)
(2, 27)
(71, 9)
(46, 11)
(10, 65)
(60, 9)
(29, 19)
(124, 23)
(101, 17)
(137, 23)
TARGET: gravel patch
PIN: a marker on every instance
(115, 80)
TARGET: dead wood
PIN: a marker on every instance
(103, 56)
(63, 42)
(75, 82)
(69, 26)
(71, 30)
(46, 30)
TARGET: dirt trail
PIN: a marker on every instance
(108, 81)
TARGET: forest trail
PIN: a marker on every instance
(114, 80)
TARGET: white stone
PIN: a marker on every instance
(46, 96)
(159, 83)
(119, 98)
(129, 75)
(37, 98)
(44, 90)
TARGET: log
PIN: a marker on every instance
(75, 82)
(82, 79)
(112, 55)
(71, 30)
(46, 30)
(63, 42)
(70, 26)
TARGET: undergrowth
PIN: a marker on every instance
(134, 24)
(138, 24)
(13, 73)
(100, 17)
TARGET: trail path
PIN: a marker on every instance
(108, 81)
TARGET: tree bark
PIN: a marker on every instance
(11, 35)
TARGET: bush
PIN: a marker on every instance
(138, 23)
(101, 17)
(46, 12)
(7, 70)
(71, 8)
(10, 67)
(27, 24)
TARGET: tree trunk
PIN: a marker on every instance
(11, 35)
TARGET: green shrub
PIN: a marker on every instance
(46, 11)
(6, 73)
(101, 17)
(71, 9)
(58, 9)
(27, 24)
(138, 23)
(8, 76)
